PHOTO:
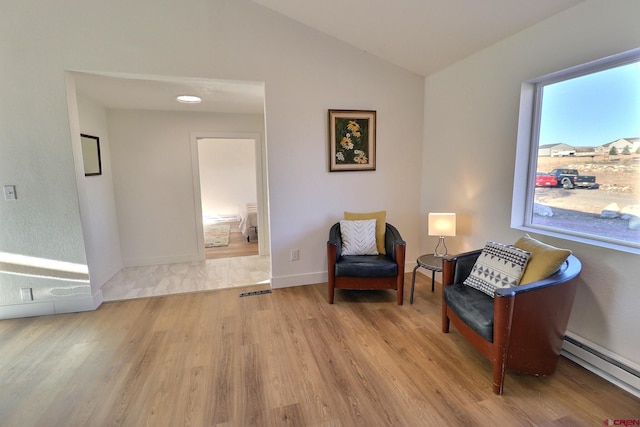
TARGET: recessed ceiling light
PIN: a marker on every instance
(189, 99)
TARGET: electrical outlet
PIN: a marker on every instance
(10, 192)
(26, 294)
(294, 255)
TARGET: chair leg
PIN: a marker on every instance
(445, 318)
(331, 270)
(400, 255)
(498, 377)
(445, 324)
(502, 315)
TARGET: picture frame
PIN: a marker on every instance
(91, 155)
(352, 140)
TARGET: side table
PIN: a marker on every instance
(428, 262)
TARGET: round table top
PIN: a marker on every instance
(430, 262)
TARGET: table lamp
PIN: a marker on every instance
(442, 224)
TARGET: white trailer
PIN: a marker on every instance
(563, 153)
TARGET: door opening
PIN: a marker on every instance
(242, 172)
(228, 194)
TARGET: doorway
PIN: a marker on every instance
(229, 183)
(228, 193)
(228, 104)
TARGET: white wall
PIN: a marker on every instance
(153, 180)
(97, 202)
(471, 117)
(227, 175)
(100, 230)
(305, 74)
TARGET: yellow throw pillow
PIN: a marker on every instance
(544, 261)
(381, 225)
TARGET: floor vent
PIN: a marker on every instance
(252, 293)
(603, 363)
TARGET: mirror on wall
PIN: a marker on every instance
(91, 155)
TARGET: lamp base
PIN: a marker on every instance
(438, 251)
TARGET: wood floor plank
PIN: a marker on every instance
(238, 245)
(285, 358)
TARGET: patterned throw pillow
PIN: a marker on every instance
(358, 237)
(498, 266)
(381, 225)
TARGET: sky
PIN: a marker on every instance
(592, 110)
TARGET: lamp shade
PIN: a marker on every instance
(442, 224)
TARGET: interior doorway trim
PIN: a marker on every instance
(261, 186)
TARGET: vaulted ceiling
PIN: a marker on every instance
(422, 36)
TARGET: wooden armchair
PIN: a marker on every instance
(366, 272)
(521, 328)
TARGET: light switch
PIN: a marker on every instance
(26, 294)
(10, 192)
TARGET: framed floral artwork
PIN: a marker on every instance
(352, 140)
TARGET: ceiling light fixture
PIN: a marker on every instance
(189, 99)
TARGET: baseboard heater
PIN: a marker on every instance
(603, 363)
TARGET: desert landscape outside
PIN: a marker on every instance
(593, 211)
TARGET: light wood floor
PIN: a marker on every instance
(238, 245)
(285, 358)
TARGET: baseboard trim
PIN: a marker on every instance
(45, 308)
(308, 279)
(174, 259)
(602, 362)
(298, 280)
(409, 266)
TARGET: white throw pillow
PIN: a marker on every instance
(358, 237)
(498, 266)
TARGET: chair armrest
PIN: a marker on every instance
(569, 270)
(458, 267)
(391, 239)
(335, 239)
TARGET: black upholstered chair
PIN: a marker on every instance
(521, 328)
(366, 272)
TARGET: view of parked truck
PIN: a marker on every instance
(570, 178)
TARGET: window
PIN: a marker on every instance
(577, 172)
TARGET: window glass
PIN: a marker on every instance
(583, 176)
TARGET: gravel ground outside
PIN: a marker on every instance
(580, 209)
